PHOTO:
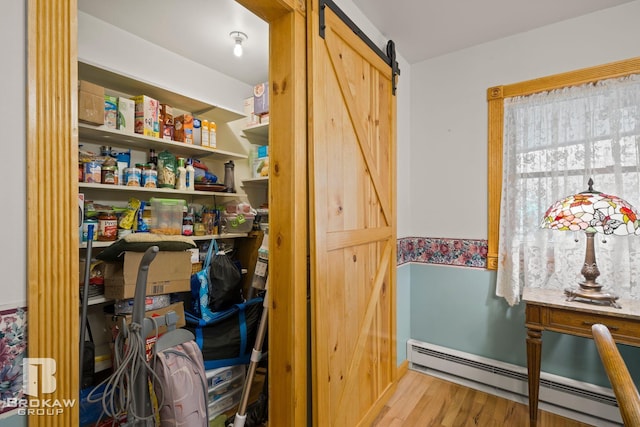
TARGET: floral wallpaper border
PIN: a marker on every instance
(454, 252)
(13, 346)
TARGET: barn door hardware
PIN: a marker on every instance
(389, 57)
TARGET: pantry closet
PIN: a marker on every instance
(299, 236)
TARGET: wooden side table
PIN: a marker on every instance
(548, 310)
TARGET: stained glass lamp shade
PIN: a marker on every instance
(592, 212)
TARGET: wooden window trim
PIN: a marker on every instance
(495, 100)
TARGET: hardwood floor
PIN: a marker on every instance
(423, 400)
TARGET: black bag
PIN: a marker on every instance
(225, 283)
(227, 339)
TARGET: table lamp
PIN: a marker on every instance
(592, 212)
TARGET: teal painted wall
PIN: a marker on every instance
(457, 308)
(403, 310)
(14, 421)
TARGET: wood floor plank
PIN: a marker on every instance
(422, 400)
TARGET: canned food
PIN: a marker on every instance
(149, 178)
(132, 177)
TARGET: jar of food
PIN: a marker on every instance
(110, 175)
(107, 226)
(198, 229)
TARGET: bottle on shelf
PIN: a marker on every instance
(191, 176)
(229, 180)
(153, 158)
(181, 181)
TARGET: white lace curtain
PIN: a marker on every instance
(553, 143)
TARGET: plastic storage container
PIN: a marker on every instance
(222, 375)
(166, 215)
(226, 388)
(237, 223)
(224, 403)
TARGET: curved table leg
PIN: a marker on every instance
(534, 351)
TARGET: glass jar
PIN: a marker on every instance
(107, 227)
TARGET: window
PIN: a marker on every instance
(606, 152)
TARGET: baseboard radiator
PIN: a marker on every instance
(584, 402)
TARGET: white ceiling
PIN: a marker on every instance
(421, 29)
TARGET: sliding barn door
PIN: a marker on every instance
(352, 169)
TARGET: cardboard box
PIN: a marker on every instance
(197, 131)
(252, 119)
(115, 320)
(261, 98)
(260, 167)
(169, 272)
(90, 103)
(126, 114)
(166, 122)
(146, 116)
(110, 111)
(213, 135)
(183, 131)
(204, 138)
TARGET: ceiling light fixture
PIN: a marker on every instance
(239, 37)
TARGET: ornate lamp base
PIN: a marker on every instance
(592, 296)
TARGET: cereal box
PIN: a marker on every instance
(146, 116)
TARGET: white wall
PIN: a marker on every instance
(449, 110)
(13, 262)
(106, 46)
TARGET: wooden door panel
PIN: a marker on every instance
(353, 245)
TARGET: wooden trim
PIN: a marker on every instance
(495, 99)
(288, 219)
(403, 368)
(52, 222)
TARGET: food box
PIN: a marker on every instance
(146, 116)
(169, 272)
(260, 168)
(110, 111)
(90, 103)
(261, 98)
(204, 138)
(126, 114)
(213, 135)
(263, 151)
(197, 131)
(183, 128)
(166, 122)
(166, 215)
(115, 320)
(252, 119)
